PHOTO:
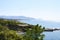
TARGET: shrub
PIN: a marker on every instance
(34, 33)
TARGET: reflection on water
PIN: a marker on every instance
(52, 35)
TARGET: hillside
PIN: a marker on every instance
(11, 30)
(14, 24)
(47, 24)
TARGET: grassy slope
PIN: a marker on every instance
(14, 24)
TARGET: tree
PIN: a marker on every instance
(6, 34)
(34, 33)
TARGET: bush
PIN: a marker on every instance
(34, 33)
(6, 34)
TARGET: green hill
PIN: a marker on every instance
(9, 30)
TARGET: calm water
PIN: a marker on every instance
(52, 35)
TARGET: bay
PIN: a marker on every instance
(52, 35)
(55, 35)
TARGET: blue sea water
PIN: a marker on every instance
(52, 35)
(49, 35)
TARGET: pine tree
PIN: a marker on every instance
(34, 33)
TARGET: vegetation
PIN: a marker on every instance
(6, 34)
(9, 31)
(34, 33)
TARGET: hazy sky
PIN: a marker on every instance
(41, 9)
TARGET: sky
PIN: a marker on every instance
(40, 9)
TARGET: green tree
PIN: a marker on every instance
(6, 34)
(34, 33)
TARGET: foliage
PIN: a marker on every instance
(6, 34)
(11, 24)
(34, 33)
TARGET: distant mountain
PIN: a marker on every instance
(16, 17)
(48, 24)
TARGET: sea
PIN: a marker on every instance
(55, 35)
